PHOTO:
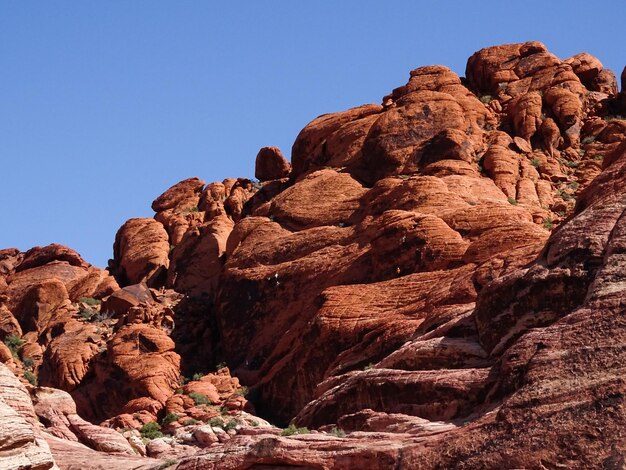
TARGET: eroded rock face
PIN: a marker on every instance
(21, 442)
(140, 252)
(439, 276)
(271, 164)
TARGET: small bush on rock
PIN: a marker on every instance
(151, 430)
(199, 398)
(14, 343)
(292, 429)
(32, 378)
(337, 432)
(169, 418)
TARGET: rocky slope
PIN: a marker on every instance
(433, 282)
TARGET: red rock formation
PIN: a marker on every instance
(140, 252)
(439, 275)
(271, 164)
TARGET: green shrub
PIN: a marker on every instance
(574, 185)
(190, 422)
(292, 429)
(32, 378)
(87, 313)
(197, 376)
(168, 463)
(243, 391)
(369, 366)
(28, 362)
(337, 432)
(547, 223)
(151, 430)
(90, 301)
(512, 201)
(14, 343)
(535, 162)
(221, 365)
(194, 209)
(588, 140)
(232, 424)
(199, 398)
(570, 164)
(217, 422)
(486, 99)
(169, 418)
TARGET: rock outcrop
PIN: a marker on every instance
(432, 282)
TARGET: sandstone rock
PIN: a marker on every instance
(69, 354)
(40, 256)
(140, 252)
(59, 410)
(271, 164)
(197, 262)
(140, 362)
(167, 448)
(119, 302)
(205, 436)
(307, 203)
(185, 193)
(525, 113)
(565, 105)
(415, 279)
(21, 442)
(309, 143)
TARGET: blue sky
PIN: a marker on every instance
(104, 105)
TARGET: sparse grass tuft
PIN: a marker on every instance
(217, 422)
(169, 418)
(337, 432)
(87, 313)
(232, 424)
(168, 463)
(90, 301)
(512, 201)
(243, 391)
(292, 429)
(32, 378)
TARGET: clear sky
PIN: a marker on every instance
(104, 105)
